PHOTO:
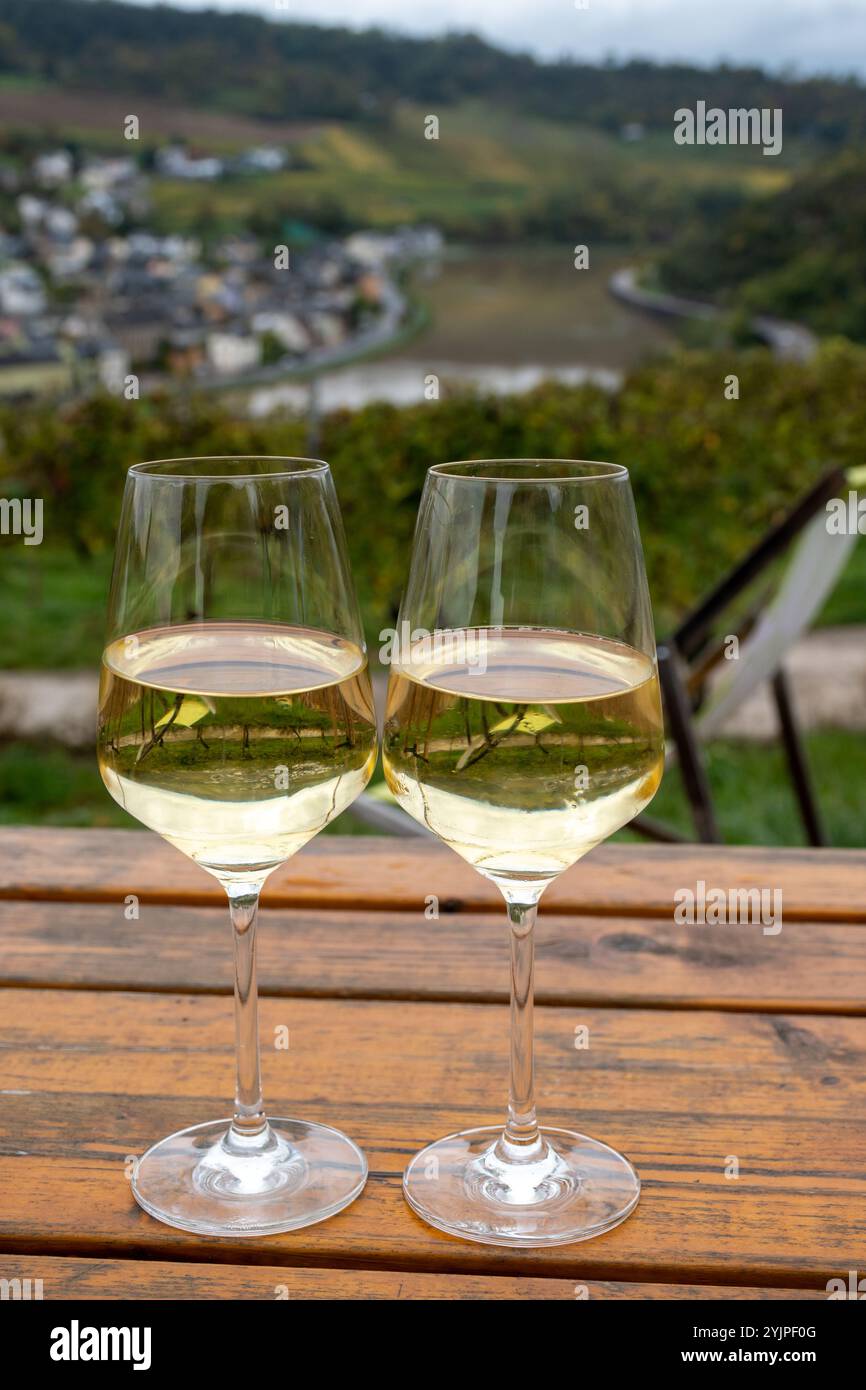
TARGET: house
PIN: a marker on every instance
(29, 369)
(215, 297)
(100, 361)
(370, 287)
(101, 203)
(140, 326)
(376, 249)
(117, 249)
(329, 329)
(59, 223)
(10, 246)
(101, 175)
(31, 210)
(238, 250)
(262, 159)
(174, 162)
(371, 249)
(288, 329)
(69, 260)
(52, 168)
(183, 250)
(21, 291)
(142, 246)
(185, 354)
(230, 353)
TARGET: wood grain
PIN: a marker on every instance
(91, 1078)
(103, 1280)
(707, 1045)
(398, 875)
(812, 967)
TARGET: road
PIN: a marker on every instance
(791, 342)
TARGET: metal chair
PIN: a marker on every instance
(695, 709)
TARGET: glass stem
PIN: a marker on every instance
(521, 1130)
(250, 1121)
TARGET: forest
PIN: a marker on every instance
(244, 63)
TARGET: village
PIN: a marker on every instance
(92, 297)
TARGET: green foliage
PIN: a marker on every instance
(244, 64)
(797, 253)
(495, 177)
(709, 475)
(273, 349)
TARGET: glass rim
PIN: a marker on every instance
(586, 471)
(165, 470)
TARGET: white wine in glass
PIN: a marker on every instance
(237, 742)
(236, 720)
(523, 727)
(524, 766)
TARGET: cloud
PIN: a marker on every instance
(809, 35)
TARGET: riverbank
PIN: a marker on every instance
(495, 320)
(791, 342)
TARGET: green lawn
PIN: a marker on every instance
(50, 786)
(53, 612)
(755, 801)
(847, 602)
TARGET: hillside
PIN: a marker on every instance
(492, 177)
(528, 151)
(246, 64)
(797, 253)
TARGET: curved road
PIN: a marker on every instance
(791, 342)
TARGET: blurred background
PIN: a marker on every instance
(233, 230)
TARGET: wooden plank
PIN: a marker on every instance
(91, 1078)
(105, 1280)
(392, 874)
(812, 967)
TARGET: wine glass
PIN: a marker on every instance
(236, 720)
(524, 726)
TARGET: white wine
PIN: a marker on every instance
(523, 748)
(237, 742)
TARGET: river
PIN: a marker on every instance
(502, 320)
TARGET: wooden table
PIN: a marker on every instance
(707, 1044)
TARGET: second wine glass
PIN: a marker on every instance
(523, 727)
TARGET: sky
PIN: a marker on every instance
(807, 35)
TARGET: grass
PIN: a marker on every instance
(847, 602)
(53, 611)
(52, 615)
(754, 798)
(755, 803)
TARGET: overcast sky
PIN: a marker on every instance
(810, 35)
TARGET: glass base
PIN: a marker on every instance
(566, 1188)
(209, 1180)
